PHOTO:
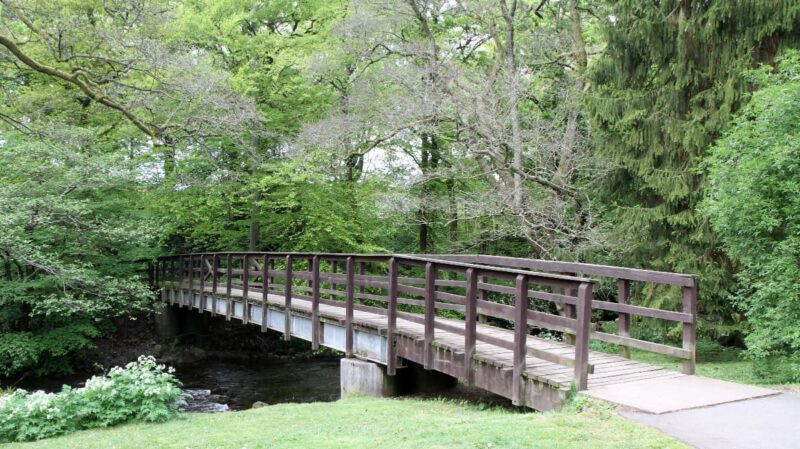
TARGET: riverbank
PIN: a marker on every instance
(378, 423)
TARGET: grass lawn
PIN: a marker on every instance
(359, 422)
(728, 364)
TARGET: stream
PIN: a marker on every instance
(220, 386)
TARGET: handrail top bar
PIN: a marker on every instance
(409, 257)
(630, 274)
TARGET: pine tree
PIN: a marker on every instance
(666, 86)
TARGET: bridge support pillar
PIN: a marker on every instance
(370, 379)
(168, 322)
(172, 321)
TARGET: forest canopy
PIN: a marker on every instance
(644, 134)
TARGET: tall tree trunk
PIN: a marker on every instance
(255, 224)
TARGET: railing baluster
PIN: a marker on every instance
(391, 320)
(191, 281)
(584, 312)
(348, 311)
(315, 324)
(214, 284)
(202, 283)
(484, 296)
(265, 280)
(520, 339)
(471, 325)
(287, 300)
(152, 273)
(245, 289)
(182, 284)
(430, 312)
(624, 323)
(228, 285)
(334, 266)
(690, 329)
(362, 270)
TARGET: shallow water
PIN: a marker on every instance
(216, 386)
(219, 386)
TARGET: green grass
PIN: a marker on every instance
(359, 422)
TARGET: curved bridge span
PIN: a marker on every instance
(519, 328)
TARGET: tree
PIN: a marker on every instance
(475, 90)
(665, 87)
(752, 200)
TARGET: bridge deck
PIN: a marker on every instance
(608, 369)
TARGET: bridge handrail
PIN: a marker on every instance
(624, 276)
(476, 281)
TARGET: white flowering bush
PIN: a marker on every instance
(141, 391)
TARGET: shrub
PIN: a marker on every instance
(142, 391)
(752, 200)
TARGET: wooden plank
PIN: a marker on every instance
(690, 328)
(520, 338)
(641, 344)
(624, 321)
(391, 320)
(430, 313)
(228, 286)
(471, 323)
(203, 283)
(584, 311)
(265, 280)
(287, 300)
(631, 274)
(245, 289)
(315, 323)
(350, 290)
(214, 284)
(629, 309)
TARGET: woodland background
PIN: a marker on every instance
(661, 135)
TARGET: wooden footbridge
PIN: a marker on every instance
(519, 328)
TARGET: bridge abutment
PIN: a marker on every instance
(172, 321)
(370, 379)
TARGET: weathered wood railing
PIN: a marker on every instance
(414, 288)
(624, 277)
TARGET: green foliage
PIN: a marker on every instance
(142, 391)
(47, 352)
(752, 199)
(69, 217)
(666, 86)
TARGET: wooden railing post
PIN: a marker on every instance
(228, 286)
(430, 313)
(245, 288)
(348, 314)
(690, 329)
(520, 338)
(152, 279)
(191, 281)
(391, 324)
(471, 325)
(214, 284)
(265, 280)
(484, 296)
(624, 323)
(202, 283)
(182, 283)
(584, 317)
(315, 324)
(287, 300)
(334, 266)
(362, 270)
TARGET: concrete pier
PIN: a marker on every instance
(370, 379)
